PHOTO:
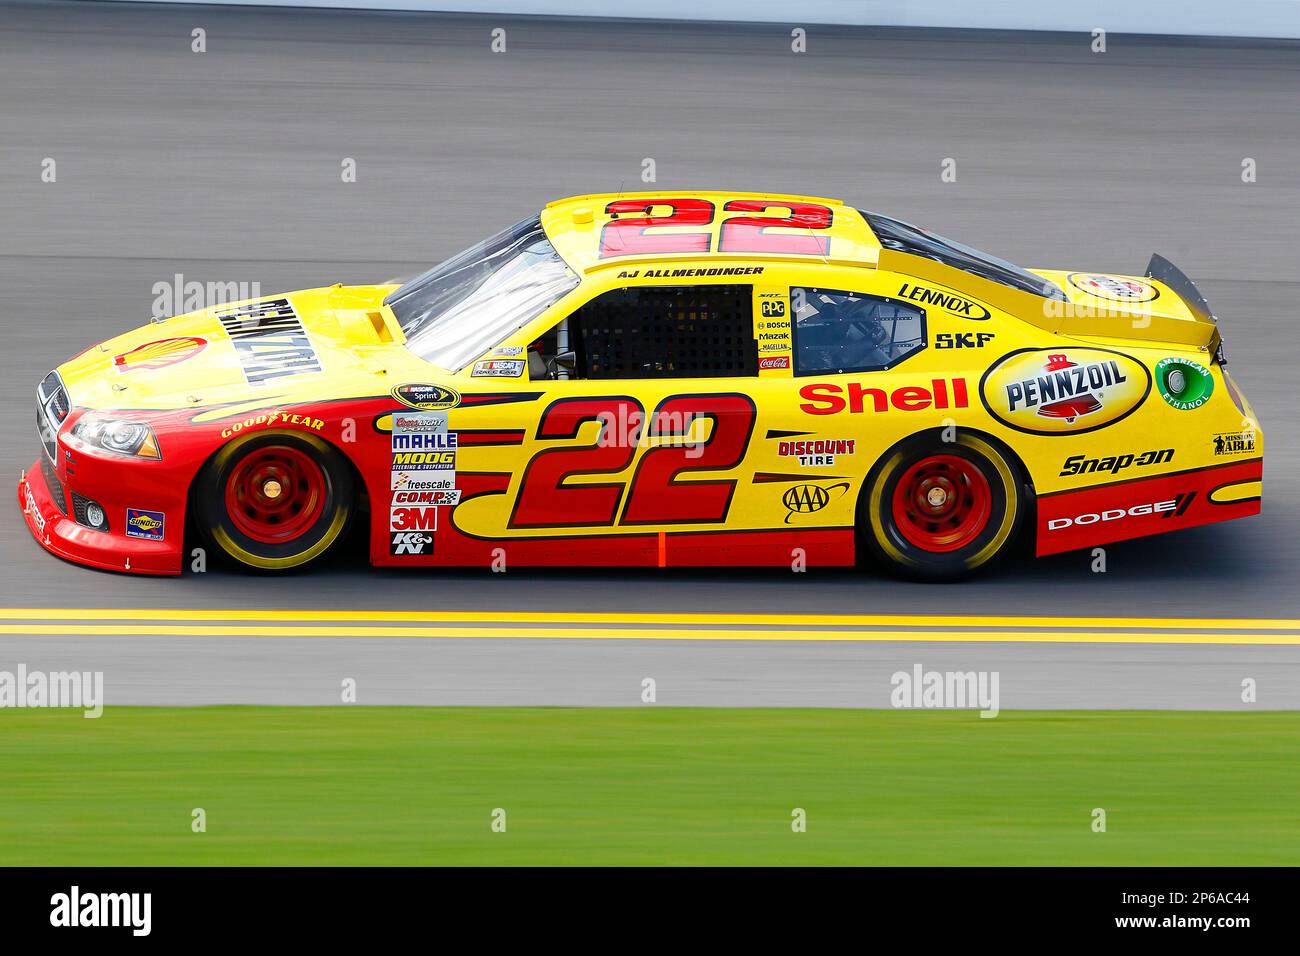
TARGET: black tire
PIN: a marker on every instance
(910, 534)
(278, 462)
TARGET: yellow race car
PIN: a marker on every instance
(657, 379)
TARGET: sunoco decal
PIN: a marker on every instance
(148, 525)
(426, 397)
(1064, 391)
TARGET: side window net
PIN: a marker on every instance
(671, 332)
(837, 331)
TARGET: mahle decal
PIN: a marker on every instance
(1064, 391)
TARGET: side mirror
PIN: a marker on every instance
(567, 360)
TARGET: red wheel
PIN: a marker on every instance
(938, 509)
(274, 501)
(942, 503)
(275, 493)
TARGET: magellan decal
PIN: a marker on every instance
(948, 301)
(1113, 288)
(426, 397)
(159, 354)
(1064, 391)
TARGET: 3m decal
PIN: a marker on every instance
(1184, 384)
(1113, 288)
(269, 339)
(148, 525)
(159, 354)
(426, 397)
(830, 399)
(1062, 391)
(948, 301)
(408, 518)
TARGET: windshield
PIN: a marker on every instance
(458, 310)
(904, 237)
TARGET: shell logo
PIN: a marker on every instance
(1064, 390)
(160, 353)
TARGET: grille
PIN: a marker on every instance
(56, 486)
(52, 408)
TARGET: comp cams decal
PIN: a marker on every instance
(1064, 391)
(269, 339)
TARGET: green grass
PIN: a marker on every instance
(350, 785)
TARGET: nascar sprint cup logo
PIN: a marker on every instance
(1064, 391)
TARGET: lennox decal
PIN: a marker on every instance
(948, 301)
(1064, 391)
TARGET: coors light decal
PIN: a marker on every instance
(1064, 390)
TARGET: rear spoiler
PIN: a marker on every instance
(1162, 270)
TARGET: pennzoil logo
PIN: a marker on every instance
(809, 499)
(1064, 391)
(1113, 288)
(426, 398)
(160, 353)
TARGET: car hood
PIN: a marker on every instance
(297, 346)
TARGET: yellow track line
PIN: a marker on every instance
(630, 617)
(641, 634)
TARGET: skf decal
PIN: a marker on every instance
(498, 368)
(949, 302)
(830, 399)
(269, 339)
(272, 420)
(1113, 288)
(1054, 392)
(148, 525)
(159, 354)
(1114, 464)
(817, 453)
(962, 340)
(809, 499)
(426, 397)
(411, 542)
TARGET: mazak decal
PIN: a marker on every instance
(948, 301)
(830, 399)
(410, 543)
(426, 397)
(1234, 443)
(809, 499)
(1113, 288)
(962, 340)
(1184, 384)
(148, 525)
(498, 368)
(412, 519)
(159, 354)
(817, 452)
(269, 339)
(1061, 391)
(1114, 464)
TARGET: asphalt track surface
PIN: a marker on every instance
(224, 166)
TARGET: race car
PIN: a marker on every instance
(659, 379)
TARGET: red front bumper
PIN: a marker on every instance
(113, 551)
